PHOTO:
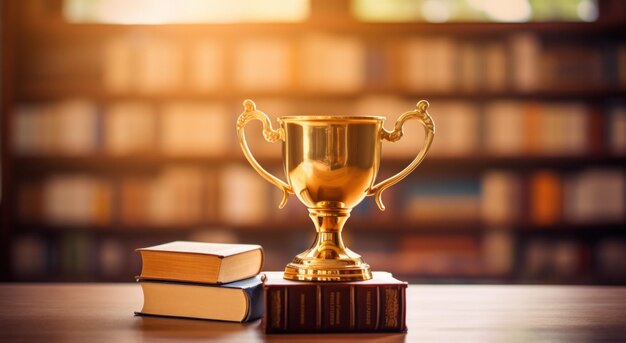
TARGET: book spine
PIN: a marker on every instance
(335, 308)
(338, 307)
(275, 314)
(254, 295)
(367, 300)
(302, 308)
(392, 313)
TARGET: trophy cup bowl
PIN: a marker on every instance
(331, 164)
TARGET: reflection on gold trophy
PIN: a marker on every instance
(331, 164)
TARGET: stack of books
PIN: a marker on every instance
(202, 280)
(223, 282)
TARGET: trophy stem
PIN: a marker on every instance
(328, 259)
(329, 226)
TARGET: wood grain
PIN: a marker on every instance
(104, 313)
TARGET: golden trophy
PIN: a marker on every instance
(331, 163)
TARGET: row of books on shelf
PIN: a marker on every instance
(500, 255)
(79, 127)
(525, 62)
(500, 127)
(71, 256)
(497, 254)
(541, 198)
(84, 256)
(235, 195)
(441, 255)
(570, 260)
(522, 62)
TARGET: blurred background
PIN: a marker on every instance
(118, 132)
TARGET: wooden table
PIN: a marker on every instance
(104, 313)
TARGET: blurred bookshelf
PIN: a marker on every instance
(118, 136)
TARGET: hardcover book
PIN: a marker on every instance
(212, 263)
(239, 301)
(376, 305)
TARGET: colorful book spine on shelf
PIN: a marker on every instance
(526, 57)
(67, 128)
(554, 260)
(452, 199)
(595, 195)
(77, 200)
(621, 65)
(343, 60)
(208, 59)
(616, 127)
(501, 197)
(175, 196)
(192, 129)
(503, 128)
(567, 66)
(442, 254)
(546, 198)
(376, 305)
(244, 196)
(430, 64)
(130, 127)
(495, 65)
(262, 64)
(458, 129)
(611, 257)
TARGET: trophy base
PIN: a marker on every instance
(328, 259)
(312, 269)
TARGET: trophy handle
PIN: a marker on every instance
(250, 113)
(420, 113)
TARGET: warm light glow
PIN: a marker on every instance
(475, 10)
(393, 10)
(507, 11)
(436, 11)
(184, 11)
(587, 10)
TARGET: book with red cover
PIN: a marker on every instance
(376, 305)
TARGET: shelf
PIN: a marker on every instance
(43, 92)
(353, 226)
(480, 277)
(122, 164)
(304, 225)
(479, 163)
(343, 25)
(575, 229)
(149, 163)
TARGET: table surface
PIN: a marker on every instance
(435, 313)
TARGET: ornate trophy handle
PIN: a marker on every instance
(250, 113)
(421, 114)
